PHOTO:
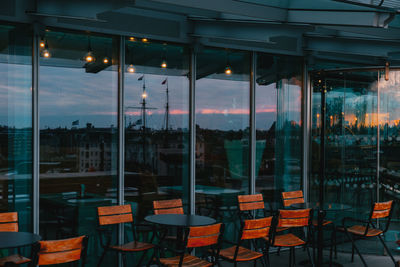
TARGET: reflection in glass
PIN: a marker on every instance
(222, 133)
(156, 124)
(278, 125)
(351, 121)
(16, 123)
(78, 135)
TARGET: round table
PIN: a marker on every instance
(326, 207)
(17, 239)
(179, 220)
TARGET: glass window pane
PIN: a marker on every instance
(156, 124)
(278, 125)
(16, 123)
(78, 98)
(222, 133)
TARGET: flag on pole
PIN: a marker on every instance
(140, 78)
(75, 122)
(165, 81)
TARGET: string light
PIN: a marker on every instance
(145, 40)
(132, 39)
(46, 53)
(106, 60)
(42, 43)
(163, 64)
(144, 95)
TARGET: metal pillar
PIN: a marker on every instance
(35, 129)
(192, 127)
(252, 143)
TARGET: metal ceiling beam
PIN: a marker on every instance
(374, 48)
(232, 7)
(342, 18)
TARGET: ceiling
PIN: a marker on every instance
(341, 32)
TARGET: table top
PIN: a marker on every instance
(327, 206)
(180, 220)
(201, 189)
(17, 239)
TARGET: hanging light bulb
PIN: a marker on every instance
(132, 39)
(144, 95)
(228, 70)
(145, 40)
(46, 52)
(164, 62)
(106, 60)
(42, 43)
(131, 68)
(89, 57)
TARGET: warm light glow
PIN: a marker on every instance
(163, 64)
(144, 95)
(132, 39)
(228, 70)
(317, 115)
(145, 40)
(106, 60)
(42, 44)
(46, 53)
(89, 58)
(131, 69)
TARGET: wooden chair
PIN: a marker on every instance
(296, 197)
(109, 216)
(69, 250)
(368, 229)
(251, 230)
(170, 206)
(9, 223)
(196, 237)
(293, 219)
(250, 206)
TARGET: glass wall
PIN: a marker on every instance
(156, 123)
(78, 102)
(278, 125)
(351, 133)
(16, 123)
(222, 132)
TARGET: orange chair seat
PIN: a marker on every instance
(288, 240)
(281, 229)
(16, 259)
(324, 222)
(244, 254)
(133, 246)
(360, 230)
(188, 260)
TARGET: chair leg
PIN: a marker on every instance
(290, 257)
(279, 251)
(294, 256)
(387, 249)
(125, 263)
(352, 251)
(356, 249)
(141, 258)
(151, 258)
(101, 258)
(309, 256)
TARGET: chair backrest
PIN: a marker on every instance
(9, 222)
(201, 236)
(292, 197)
(250, 202)
(61, 251)
(294, 218)
(381, 210)
(115, 214)
(170, 206)
(256, 228)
